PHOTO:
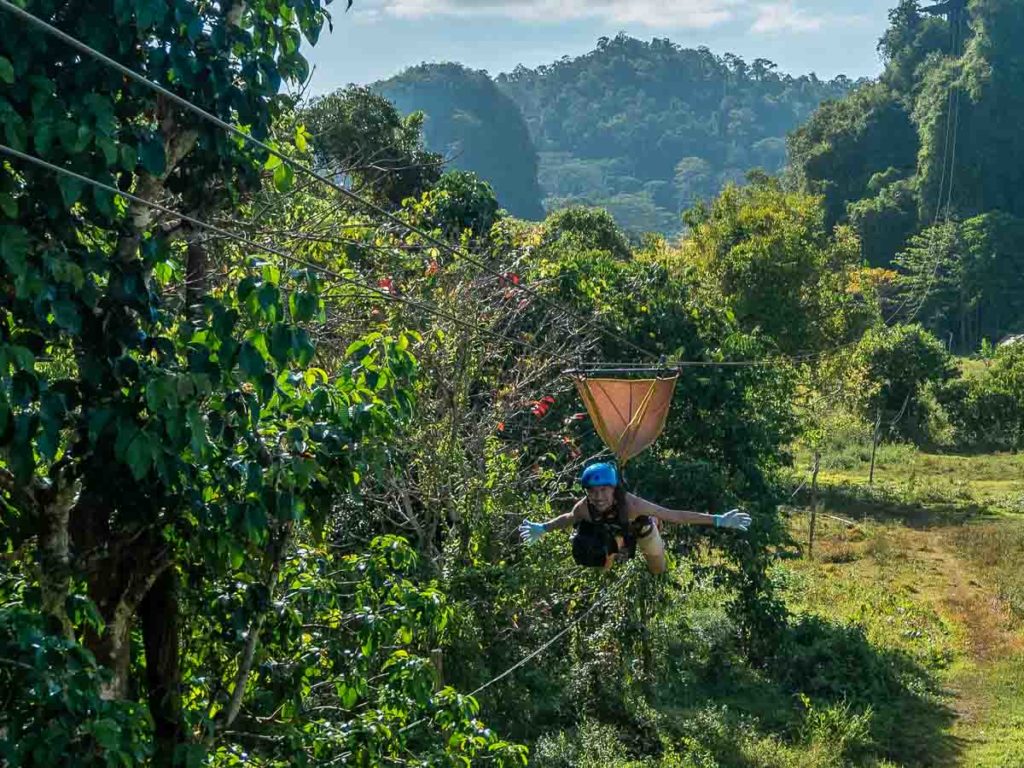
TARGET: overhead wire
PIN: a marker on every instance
(295, 165)
(949, 153)
(606, 593)
(367, 204)
(430, 309)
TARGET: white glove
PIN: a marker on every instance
(734, 518)
(530, 531)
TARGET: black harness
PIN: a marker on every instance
(595, 538)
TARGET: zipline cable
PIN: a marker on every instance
(430, 309)
(600, 599)
(369, 205)
(295, 165)
(948, 155)
(4, 149)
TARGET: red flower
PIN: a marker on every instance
(542, 406)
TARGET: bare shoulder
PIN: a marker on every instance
(638, 507)
(579, 509)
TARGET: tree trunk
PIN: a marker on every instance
(54, 557)
(814, 504)
(875, 439)
(160, 615)
(195, 279)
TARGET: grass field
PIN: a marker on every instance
(928, 567)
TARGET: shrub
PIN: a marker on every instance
(896, 363)
(987, 411)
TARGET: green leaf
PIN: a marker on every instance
(98, 421)
(303, 306)
(14, 245)
(198, 429)
(358, 350)
(268, 298)
(305, 351)
(251, 361)
(139, 456)
(9, 205)
(108, 148)
(300, 138)
(66, 315)
(6, 71)
(15, 131)
(283, 178)
(151, 155)
(245, 288)
(70, 189)
(281, 344)
(149, 12)
(22, 358)
(129, 157)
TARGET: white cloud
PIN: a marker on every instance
(665, 14)
(784, 17)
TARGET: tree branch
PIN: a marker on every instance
(251, 641)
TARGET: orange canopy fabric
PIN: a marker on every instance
(628, 414)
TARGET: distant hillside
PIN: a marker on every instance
(646, 129)
(469, 120)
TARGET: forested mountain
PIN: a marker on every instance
(287, 435)
(647, 128)
(476, 126)
(927, 164)
(642, 129)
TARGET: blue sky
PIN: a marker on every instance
(378, 38)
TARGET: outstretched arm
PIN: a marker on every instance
(530, 531)
(732, 519)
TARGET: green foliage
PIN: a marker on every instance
(987, 411)
(343, 672)
(584, 229)
(934, 137)
(895, 364)
(458, 202)
(54, 712)
(884, 222)
(359, 133)
(475, 126)
(767, 254)
(966, 278)
(645, 129)
(845, 143)
(176, 439)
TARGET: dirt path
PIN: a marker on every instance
(989, 641)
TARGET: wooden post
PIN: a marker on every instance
(874, 446)
(437, 662)
(814, 503)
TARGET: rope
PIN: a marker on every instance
(605, 594)
(295, 165)
(4, 149)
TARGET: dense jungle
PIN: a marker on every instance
(282, 374)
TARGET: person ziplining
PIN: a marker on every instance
(608, 521)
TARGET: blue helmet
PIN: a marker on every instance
(599, 474)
